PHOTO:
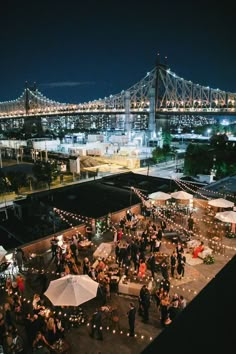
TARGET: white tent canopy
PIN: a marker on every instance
(159, 196)
(227, 216)
(71, 290)
(221, 203)
(2, 253)
(181, 195)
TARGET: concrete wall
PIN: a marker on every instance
(42, 245)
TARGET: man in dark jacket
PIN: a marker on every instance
(152, 263)
(96, 324)
(131, 316)
(146, 304)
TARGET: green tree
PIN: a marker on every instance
(167, 138)
(158, 154)
(17, 180)
(45, 171)
(218, 140)
(194, 162)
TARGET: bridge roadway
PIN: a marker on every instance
(160, 112)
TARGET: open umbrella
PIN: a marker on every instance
(221, 203)
(182, 195)
(71, 290)
(159, 196)
(227, 216)
(2, 253)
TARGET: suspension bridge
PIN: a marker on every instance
(161, 91)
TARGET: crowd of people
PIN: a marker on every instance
(43, 328)
(134, 255)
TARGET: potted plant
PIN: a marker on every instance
(209, 259)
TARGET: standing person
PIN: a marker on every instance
(17, 343)
(190, 223)
(164, 270)
(54, 242)
(127, 264)
(119, 234)
(88, 232)
(51, 331)
(142, 269)
(181, 264)
(96, 324)
(163, 225)
(86, 265)
(146, 304)
(41, 344)
(173, 263)
(141, 299)
(131, 316)
(159, 234)
(157, 245)
(152, 263)
(179, 249)
(19, 258)
(114, 235)
(182, 302)
(21, 284)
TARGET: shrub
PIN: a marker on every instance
(209, 259)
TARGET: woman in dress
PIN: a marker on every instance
(142, 269)
(20, 283)
(51, 331)
(198, 250)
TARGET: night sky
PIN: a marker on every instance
(77, 51)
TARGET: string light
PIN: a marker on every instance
(210, 191)
(180, 228)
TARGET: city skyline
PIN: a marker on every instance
(80, 52)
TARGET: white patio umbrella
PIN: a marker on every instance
(221, 203)
(227, 216)
(2, 253)
(71, 290)
(159, 196)
(181, 195)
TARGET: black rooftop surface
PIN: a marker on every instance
(224, 185)
(22, 167)
(206, 324)
(98, 198)
(147, 184)
(90, 199)
(8, 240)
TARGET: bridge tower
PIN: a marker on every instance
(152, 114)
(154, 97)
(32, 124)
(127, 114)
